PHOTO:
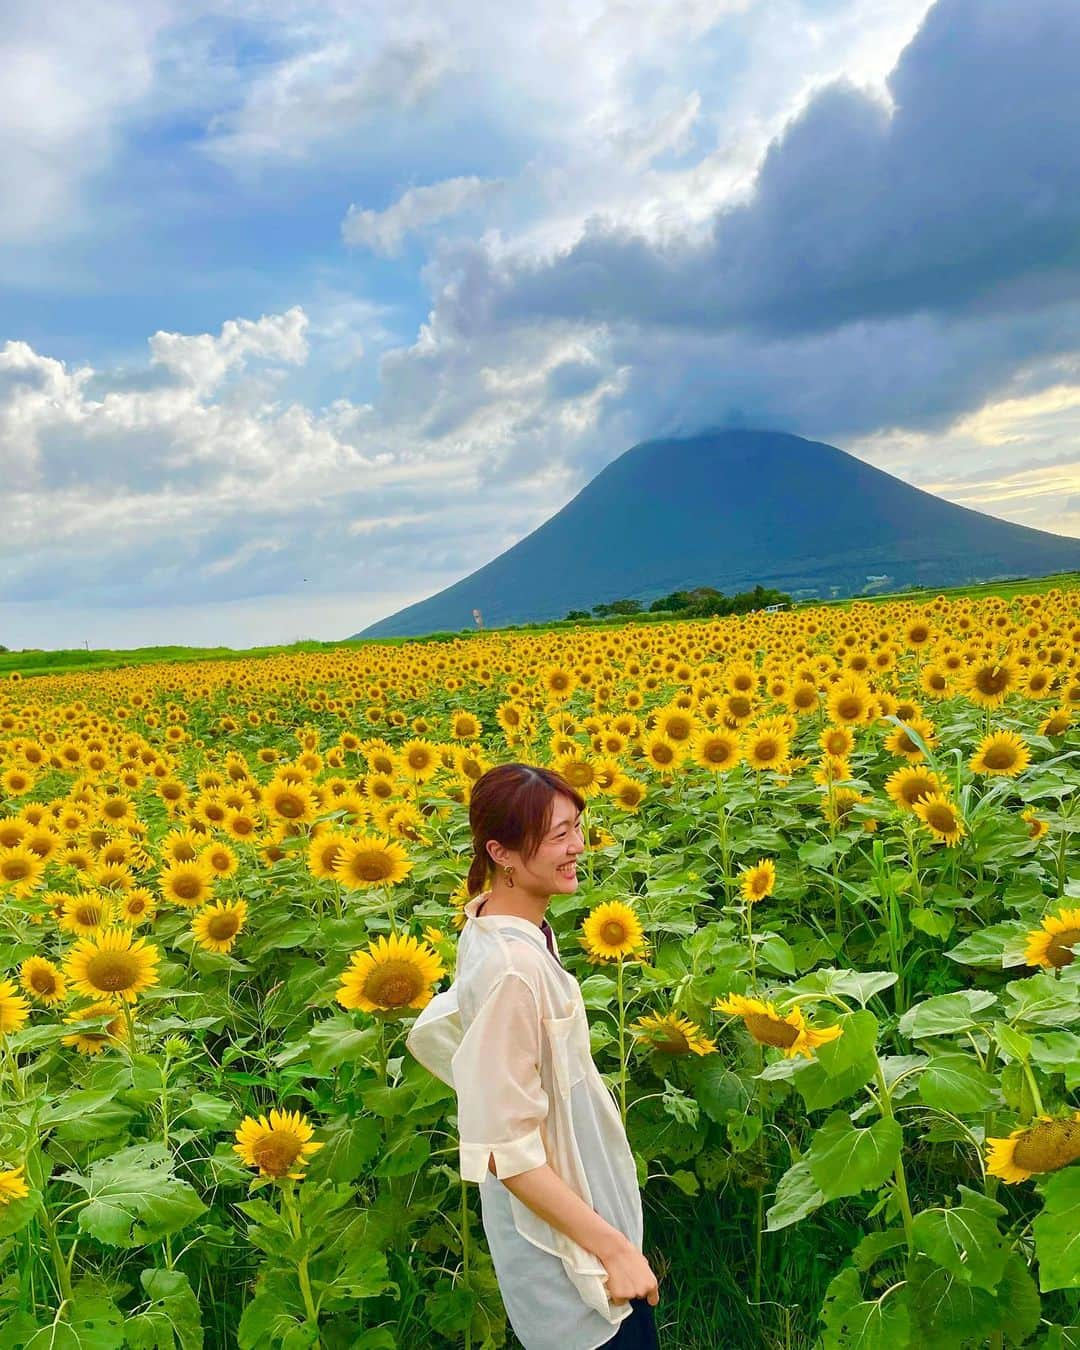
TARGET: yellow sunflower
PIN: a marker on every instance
(580, 771)
(851, 703)
(717, 750)
(838, 805)
(419, 759)
(92, 1040)
(1056, 723)
(789, 1033)
(190, 884)
(612, 931)
(288, 803)
(900, 742)
(323, 852)
(217, 926)
(112, 964)
(1001, 753)
(987, 682)
(837, 741)
(1051, 944)
(14, 1009)
(279, 1146)
(905, 787)
(182, 846)
(371, 861)
(21, 869)
(765, 750)
(940, 817)
(85, 913)
(1037, 826)
(464, 726)
(628, 793)
(756, 882)
(390, 975)
(12, 1185)
(42, 980)
(1046, 1145)
(673, 1035)
(223, 861)
(136, 906)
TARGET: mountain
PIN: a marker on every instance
(731, 509)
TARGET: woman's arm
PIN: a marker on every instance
(546, 1194)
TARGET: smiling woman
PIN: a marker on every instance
(539, 1129)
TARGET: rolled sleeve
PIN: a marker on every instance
(496, 1068)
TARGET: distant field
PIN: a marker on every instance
(29, 663)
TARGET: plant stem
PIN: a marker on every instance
(302, 1263)
(885, 1102)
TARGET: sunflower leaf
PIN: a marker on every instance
(797, 1195)
(1057, 1232)
(133, 1198)
(845, 1160)
(954, 1082)
(964, 1239)
(946, 1014)
(854, 1323)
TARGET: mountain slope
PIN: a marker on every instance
(730, 509)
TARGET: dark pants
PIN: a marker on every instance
(636, 1332)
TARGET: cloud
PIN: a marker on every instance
(204, 361)
(384, 231)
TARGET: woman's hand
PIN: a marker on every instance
(629, 1274)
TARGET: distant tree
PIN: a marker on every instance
(625, 607)
(578, 614)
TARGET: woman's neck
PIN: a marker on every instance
(502, 900)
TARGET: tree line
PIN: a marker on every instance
(700, 602)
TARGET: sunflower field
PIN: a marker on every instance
(827, 935)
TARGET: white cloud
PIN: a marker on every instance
(384, 231)
(204, 361)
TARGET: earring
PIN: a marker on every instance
(510, 877)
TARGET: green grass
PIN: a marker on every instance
(78, 660)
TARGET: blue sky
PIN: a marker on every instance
(308, 309)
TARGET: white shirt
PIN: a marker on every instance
(511, 1036)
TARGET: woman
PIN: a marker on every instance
(539, 1129)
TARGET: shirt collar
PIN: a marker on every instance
(501, 920)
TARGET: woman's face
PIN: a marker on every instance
(552, 870)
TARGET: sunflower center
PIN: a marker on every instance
(613, 932)
(222, 927)
(663, 754)
(1048, 1145)
(992, 680)
(370, 866)
(941, 818)
(187, 887)
(89, 916)
(739, 706)
(112, 972)
(771, 1030)
(849, 709)
(907, 745)
(1057, 949)
(671, 1041)
(999, 757)
(717, 752)
(185, 852)
(766, 749)
(579, 774)
(276, 1152)
(915, 789)
(15, 869)
(393, 984)
(43, 982)
(290, 807)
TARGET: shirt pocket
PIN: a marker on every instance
(568, 1040)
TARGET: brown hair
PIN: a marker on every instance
(512, 805)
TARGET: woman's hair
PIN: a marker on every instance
(512, 805)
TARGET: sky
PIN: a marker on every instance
(310, 307)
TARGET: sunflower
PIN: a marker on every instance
(112, 876)
(1051, 944)
(661, 754)
(217, 926)
(1002, 752)
(241, 825)
(628, 793)
(789, 1033)
(323, 852)
(91, 1041)
(837, 741)
(288, 803)
(136, 906)
(580, 772)
(901, 742)
(851, 702)
(42, 980)
(393, 973)
(839, 804)
(419, 759)
(1037, 826)
(84, 914)
(14, 1009)
(736, 709)
(765, 749)
(21, 869)
(673, 1035)
(279, 1146)
(464, 726)
(717, 751)
(756, 882)
(190, 884)
(940, 817)
(12, 1185)
(1045, 1145)
(16, 781)
(905, 787)
(1056, 724)
(675, 724)
(612, 931)
(113, 965)
(802, 698)
(371, 861)
(182, 846)
(987, 682)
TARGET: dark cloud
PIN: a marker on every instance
(965, 197)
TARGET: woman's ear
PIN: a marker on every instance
(497, 852)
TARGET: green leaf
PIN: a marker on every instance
(133, 1197)
(776, 953)
(820, 1090)
(845, 1160)
(719, 1092)
(946, 1014)
(349, 1144)
(1060, 1338)
(1058, 1052)
(173, 1321)
(797, 1195)
(854, 1046)
(1020, 1308)
(207, 1112)
(335, 1041)
(994, 948)
(16, 1214)
(1015, 1044)
(1057, 1232)
(954, 1082)
(964, 1239)
(408, 1154)
(1042, 1000)
(265, 1320)
(874, 1246)
(932, 922)
(92, 1321)
(449, 1309)
(861, 985)
(687, 1182)
(852, 1323)
(947, 1314)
